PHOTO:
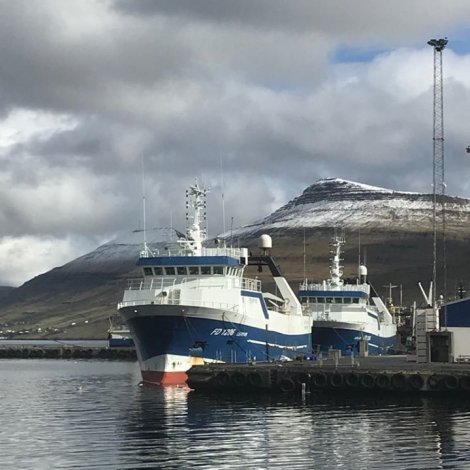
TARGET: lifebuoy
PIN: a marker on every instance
(398, 381)
(287, 385)
(383, 381)
(416, 381)
(319, 380)
(352, 380)
(336, 380)
(238, 379)
(367, 380)
(254, 380)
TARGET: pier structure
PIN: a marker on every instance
(373, 374)
(66, 352)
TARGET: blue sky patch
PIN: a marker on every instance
(347, 54)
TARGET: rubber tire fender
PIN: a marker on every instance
(336, 380)
(465, 382)
(352, 380)
(238, 379)
(398, 381)
(415, 381)
(222, 379)
(383, 381)
(287, 385)
(367, 381)
(254, 380)
(434, 382)
(319, 380)
(450, 382)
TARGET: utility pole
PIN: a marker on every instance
(438, 164)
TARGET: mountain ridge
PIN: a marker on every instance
(394, 228)
(333, 202)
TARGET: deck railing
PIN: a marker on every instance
(162, 283)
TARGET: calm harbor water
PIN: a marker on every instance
(92, 415)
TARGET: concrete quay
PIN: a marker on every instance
(390, 374)
(66, 352)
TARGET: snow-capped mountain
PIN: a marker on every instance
(354, 206)
(394, 228)
(123, 249)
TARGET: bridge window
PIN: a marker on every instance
(347, 300)
(181, 270)
(321, 300)
(148, 271)
(205, 270)
(218, 269)
(355, 300)
(329, 300)
(170, 271)
(193, 270)
(338, 300)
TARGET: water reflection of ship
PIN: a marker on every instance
(169, 427)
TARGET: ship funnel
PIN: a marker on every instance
(362, 274)
(265, 243)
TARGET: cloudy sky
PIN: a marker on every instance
(266, 96)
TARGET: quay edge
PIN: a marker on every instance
(72, 352)
(386, 374)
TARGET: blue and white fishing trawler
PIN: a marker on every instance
(345, 313)
(194, 305)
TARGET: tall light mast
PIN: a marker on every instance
(438, 162)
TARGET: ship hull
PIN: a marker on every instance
(345, 336)
(170, 339)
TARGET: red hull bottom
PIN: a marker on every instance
(164, 378)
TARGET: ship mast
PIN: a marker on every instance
(195, 229)
(335, 269)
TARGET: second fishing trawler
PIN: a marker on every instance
(194, 305)
(345, 313)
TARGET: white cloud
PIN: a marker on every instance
(90, 88)
(24, 257)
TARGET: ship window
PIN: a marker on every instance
(218, 269)
(205, 270)
(194, 270)
(347, 300)
(170, 271)
(158, 271)
(148, 271)
(181, 270)
(355, 300)
(312, 300)
(329, 300)
(338, 300)
(321, 300)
